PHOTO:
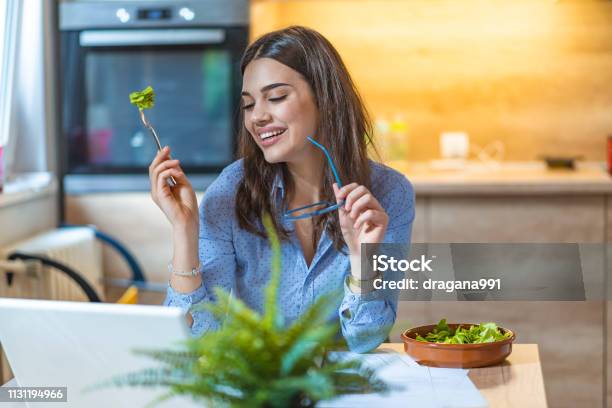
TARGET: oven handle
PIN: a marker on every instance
(122, 38)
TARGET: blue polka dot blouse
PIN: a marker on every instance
(239, 261)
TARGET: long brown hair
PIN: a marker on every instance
(344, 128)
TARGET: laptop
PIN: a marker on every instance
(77, 344)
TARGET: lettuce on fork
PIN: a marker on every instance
(144, 99)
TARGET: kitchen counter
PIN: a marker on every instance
(514, 383)
(520, 178)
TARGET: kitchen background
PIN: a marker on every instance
(516, 80)
(534, 75)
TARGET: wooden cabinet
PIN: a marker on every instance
(419, 226)
(547, 218)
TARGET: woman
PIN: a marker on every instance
(294, 86)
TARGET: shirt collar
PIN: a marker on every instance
(278, 184)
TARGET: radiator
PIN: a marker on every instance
(74, 247)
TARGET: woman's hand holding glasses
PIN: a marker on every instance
(362, 219)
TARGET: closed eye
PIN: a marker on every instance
(280, 98)
(277, 99)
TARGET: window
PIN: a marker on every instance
(3, 29)
(2, 24)
(9, 29)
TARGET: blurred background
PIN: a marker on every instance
(498, 112)
(533, 75)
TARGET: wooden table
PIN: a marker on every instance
(517, 382)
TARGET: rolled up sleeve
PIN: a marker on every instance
(216, 253)
(366, 319)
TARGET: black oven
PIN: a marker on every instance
(188, 51)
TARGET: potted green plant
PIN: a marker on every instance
(254, 360)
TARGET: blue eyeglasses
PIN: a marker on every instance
(293, 215)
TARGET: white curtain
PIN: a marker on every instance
(33, 111)
(10, 20)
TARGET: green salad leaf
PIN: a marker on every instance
(144, 99)
(482, 333)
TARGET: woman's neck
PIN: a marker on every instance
(306, 175)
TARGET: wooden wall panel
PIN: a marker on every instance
(517, 219)
(533, 74)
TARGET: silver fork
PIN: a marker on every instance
(170, 180)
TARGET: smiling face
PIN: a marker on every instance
(279, 110)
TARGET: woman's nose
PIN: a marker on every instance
(260, 115)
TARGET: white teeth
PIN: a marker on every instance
(270, 134)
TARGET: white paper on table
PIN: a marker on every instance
(411, 385)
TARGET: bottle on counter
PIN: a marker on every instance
(392, 137)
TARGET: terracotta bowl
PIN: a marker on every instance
(455, 355)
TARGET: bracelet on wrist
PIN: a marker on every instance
(364, 285)
(194, 272)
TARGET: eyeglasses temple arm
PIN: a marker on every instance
(329, 159)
